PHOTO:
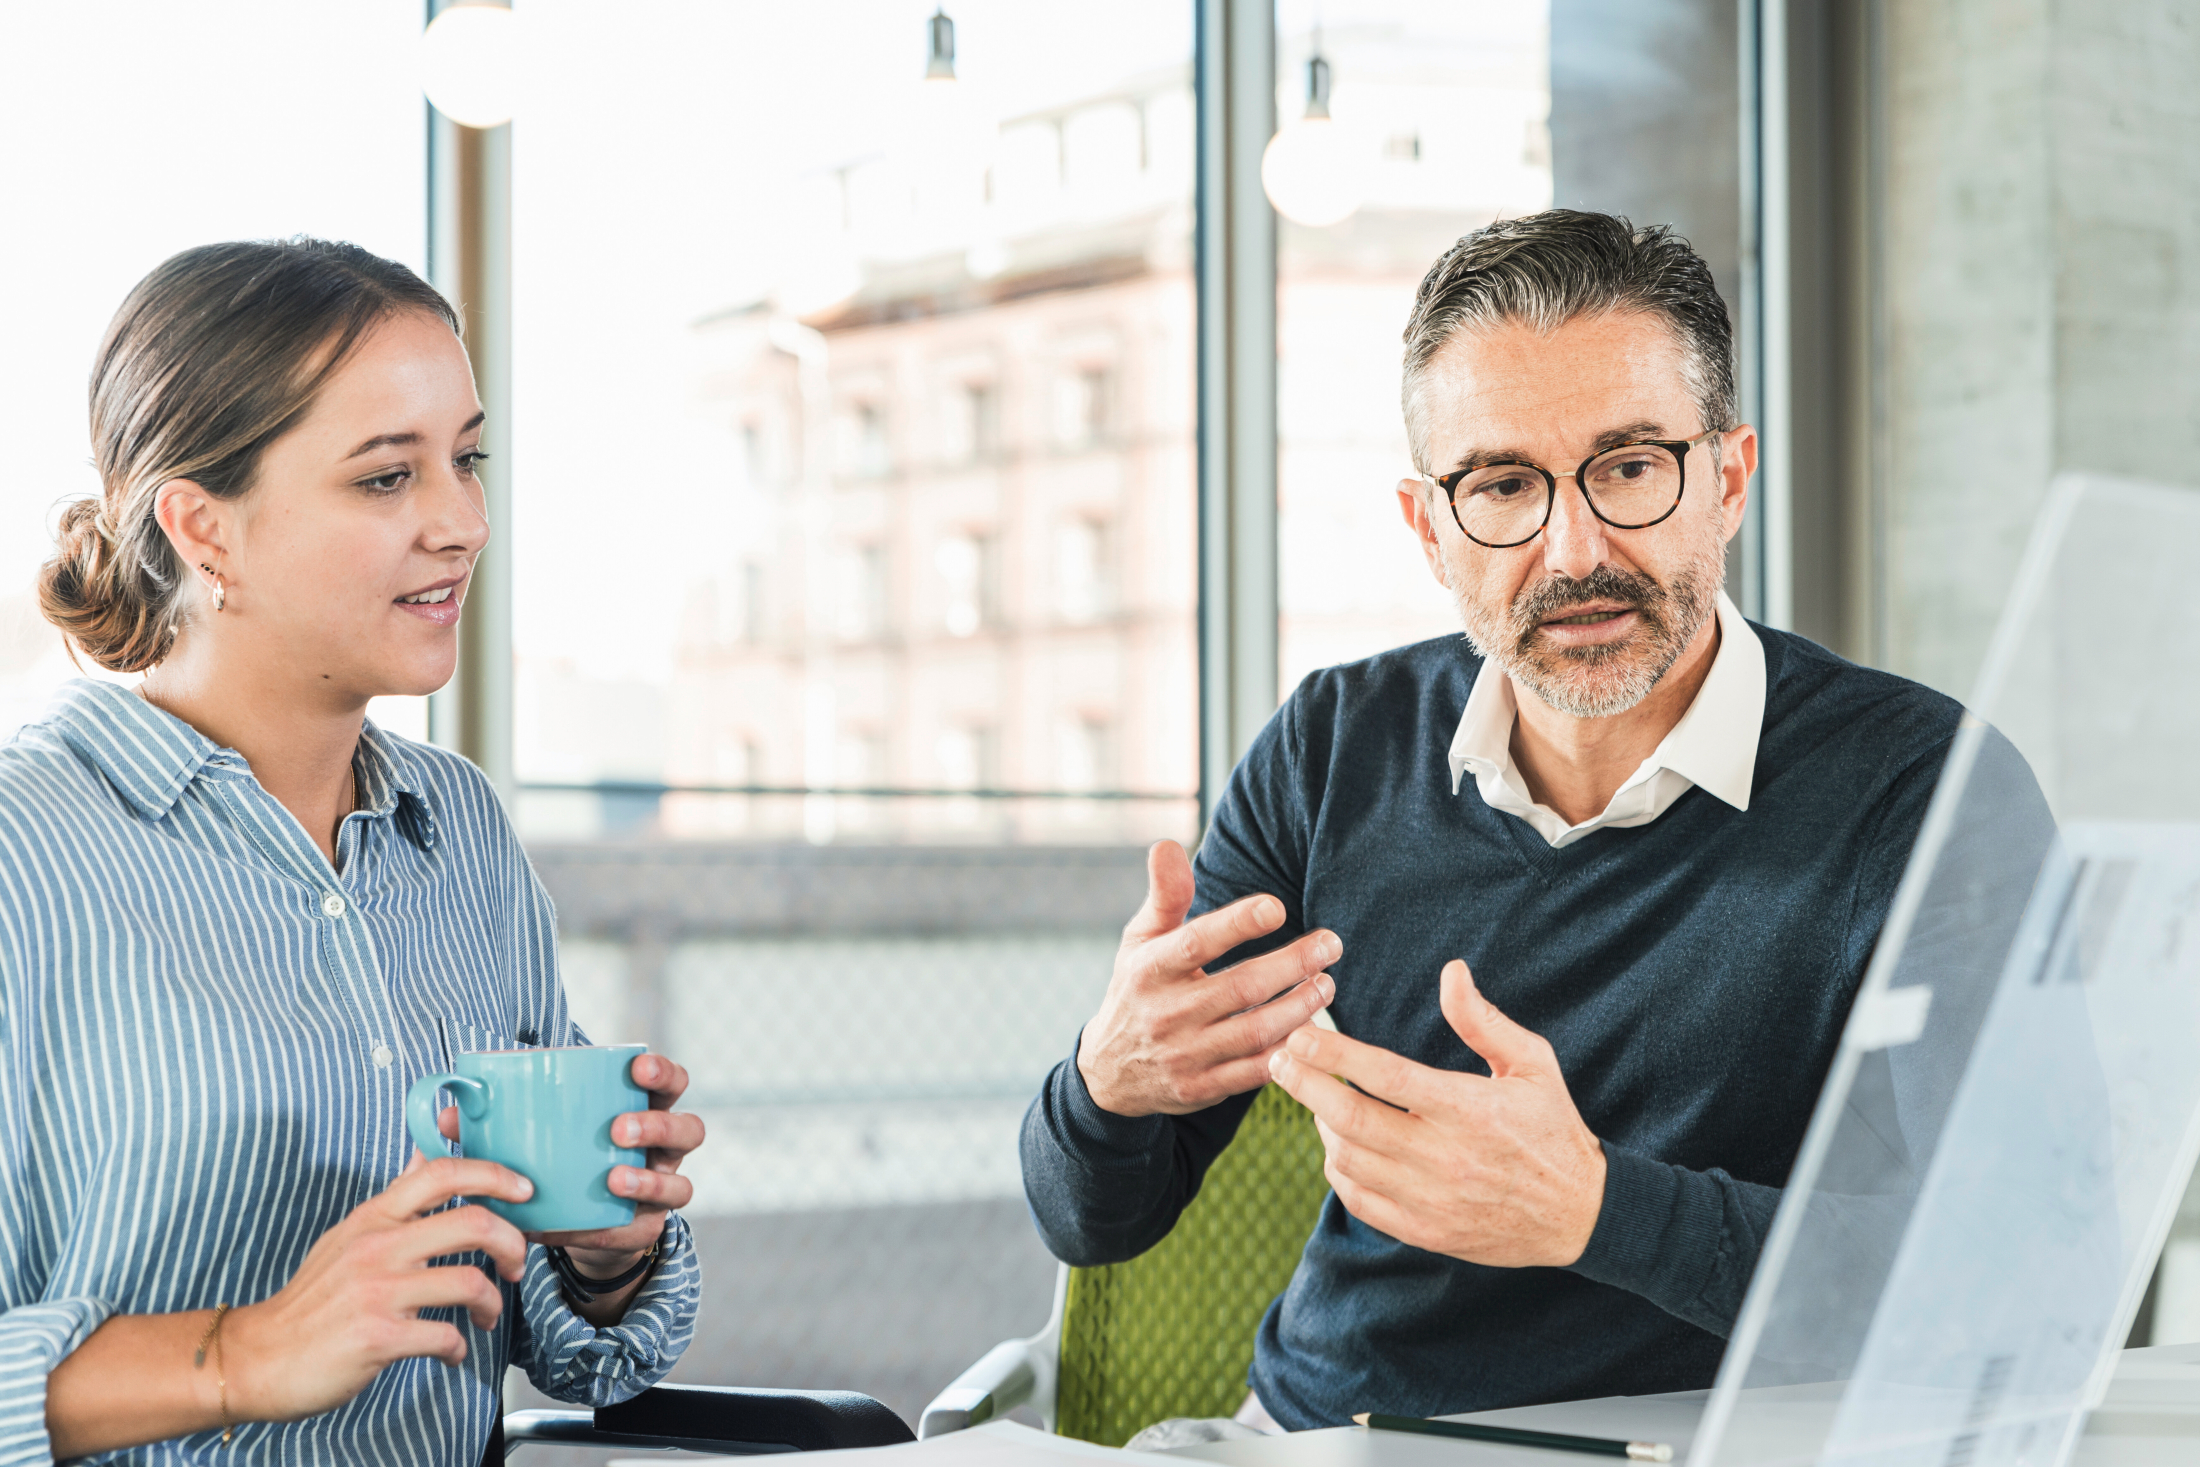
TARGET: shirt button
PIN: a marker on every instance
(382, 1056)
(333, 905)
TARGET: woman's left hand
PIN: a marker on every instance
(657, 1188)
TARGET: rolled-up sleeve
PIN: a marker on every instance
(569, 1359)
(34, 1338)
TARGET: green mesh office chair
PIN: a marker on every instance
(1169, 1333)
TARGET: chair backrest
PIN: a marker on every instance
(1170, 1333)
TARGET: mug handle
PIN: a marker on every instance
(473, 1103)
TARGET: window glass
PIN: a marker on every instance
(114, 164)
(855, 569)
(1440, 124)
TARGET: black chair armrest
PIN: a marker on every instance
(724, 1419)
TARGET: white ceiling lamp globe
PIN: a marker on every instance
(467, 64)
(1313, 170)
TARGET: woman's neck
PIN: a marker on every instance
(300, 746)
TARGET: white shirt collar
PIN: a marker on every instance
(1714, 745)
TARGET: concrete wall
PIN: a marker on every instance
(2040, 218)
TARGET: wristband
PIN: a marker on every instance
(587, 1290)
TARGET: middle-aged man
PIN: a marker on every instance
(1587, 896)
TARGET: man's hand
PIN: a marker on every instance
(1498, 1170)
(1171, 1038)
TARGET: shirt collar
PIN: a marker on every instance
(1714, 746)
(150, 756)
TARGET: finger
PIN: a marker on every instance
(1169, 890)
(1255, 981)
(1370, 1205)
(659, 1189)
(1203, 939)
(1390, 1173)
(1259, 1030)
(447, 1122)
(461, 1230)
(1506, 1047)
(660, 1130)
(428, 1339)
(432, 1181)
(665, 1081)
(1362, 1121)
(1377, 1071)
(454, 1286)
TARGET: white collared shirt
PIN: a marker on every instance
(1714, 745)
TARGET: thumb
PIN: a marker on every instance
(1508, 1048)
(1169, 891)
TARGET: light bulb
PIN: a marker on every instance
(1313, 172)
(467, 67)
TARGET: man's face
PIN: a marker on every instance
(1585, 616)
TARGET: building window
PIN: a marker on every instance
(860, 592)
(1084, 754)
(1084, 579)
(971, 425)
(752, 608)
(864, 452)
(1083, 407)
(967, 565)
(969, 756)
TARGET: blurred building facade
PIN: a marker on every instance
(961, 546)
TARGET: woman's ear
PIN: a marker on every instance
(195, 523)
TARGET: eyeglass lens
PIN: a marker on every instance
(1630, 487)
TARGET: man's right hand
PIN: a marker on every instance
(1172, 1038)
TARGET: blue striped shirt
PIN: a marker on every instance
(206, 1036)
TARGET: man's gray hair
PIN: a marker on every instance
(1547, 269)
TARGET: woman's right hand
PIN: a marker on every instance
(353, 1306)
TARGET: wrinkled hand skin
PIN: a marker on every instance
(1170, 1037)
(1497, 1169)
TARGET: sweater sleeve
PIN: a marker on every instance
(1102, 1187)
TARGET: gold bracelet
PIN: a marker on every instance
(221, 1366)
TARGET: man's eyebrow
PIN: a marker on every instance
(1636, 432)
(404, 440)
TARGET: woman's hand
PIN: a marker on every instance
(353, 1306)
(657, 1188)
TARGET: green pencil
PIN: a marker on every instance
(1513, 1436)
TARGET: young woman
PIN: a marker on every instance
(237, 921)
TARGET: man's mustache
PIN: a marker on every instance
(1557, 595)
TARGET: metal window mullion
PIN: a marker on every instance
(1235, 266)
(469, 187)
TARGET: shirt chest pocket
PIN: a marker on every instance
(458, 1035)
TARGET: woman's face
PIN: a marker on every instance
(351, 555)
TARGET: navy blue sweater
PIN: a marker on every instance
(1693, 975)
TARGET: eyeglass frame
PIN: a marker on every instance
(1680, 448)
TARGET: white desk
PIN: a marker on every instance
(2150, 1419)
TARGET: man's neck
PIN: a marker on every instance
(1575, 765)
(299, 745)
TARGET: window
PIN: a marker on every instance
(1437, 98)
(967, 574)
(860, 592)
(1082, 571)
(1082, 753)
(106, 176)
(1081, 407)
(864, 451)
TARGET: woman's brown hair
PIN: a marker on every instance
(215, 355)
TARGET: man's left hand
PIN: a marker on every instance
(1495, 1169)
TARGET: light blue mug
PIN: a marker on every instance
(546, 1114)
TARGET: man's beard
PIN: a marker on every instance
(1611, 677)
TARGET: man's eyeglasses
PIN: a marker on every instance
(1631, 487)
